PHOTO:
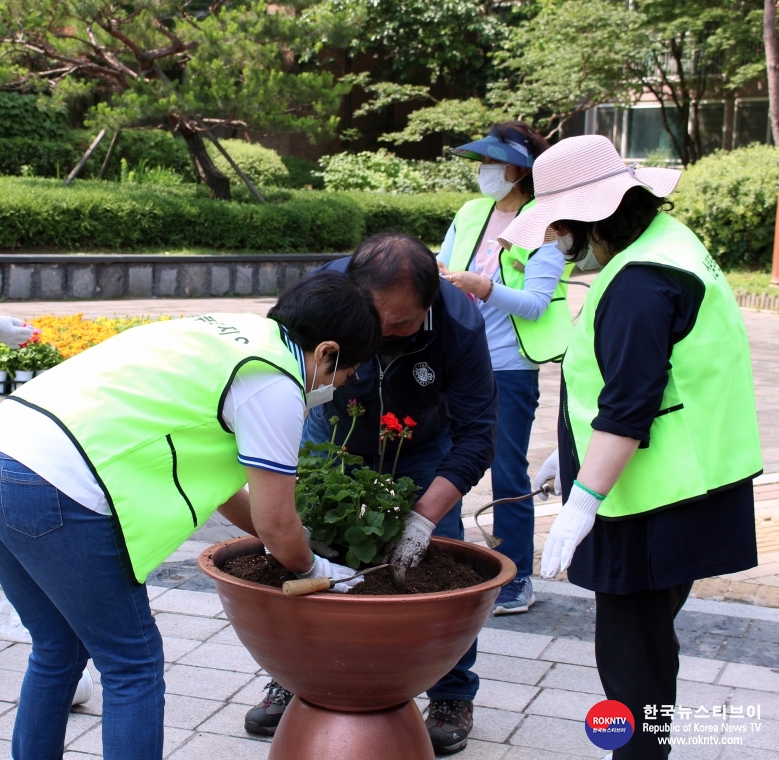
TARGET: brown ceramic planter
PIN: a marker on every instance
(355, 654)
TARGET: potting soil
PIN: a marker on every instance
(438, 571)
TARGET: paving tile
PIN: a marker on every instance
(572, 652)
(747, 651)
(175, 648)
(702, 621)
(78, 725)
(10, 685)
(750, 677)
(188, 626)
(6, 706)
(555, 735)
(478, 750)
(222, 657)
(694, 694)
(226, 636)
(746, 753)
(80, 756)
(15, 657)
(91, 743)
(5, 748)
(188, 712)
(560, 703)
(187, 602)
(512, 669)
(494, 725)
(511, 643)
(504, 696)
(206, 683)
(764, 630)
(700, 643)
(229, 722)
(154, 591)
(7, 724)
(213, 746)
(528, 753)
(699, 669)
(573, 678)
(767, 737)
(4, 644)
(253, 693)
(768, 702)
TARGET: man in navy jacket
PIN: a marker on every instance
(434, 366)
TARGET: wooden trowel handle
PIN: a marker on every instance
(306, 586)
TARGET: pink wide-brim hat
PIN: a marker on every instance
(581, 178)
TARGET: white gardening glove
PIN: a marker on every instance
(549, 469)
(14, 332)
(324, 568)
(318, 547)
(413, 543)
(574, 522)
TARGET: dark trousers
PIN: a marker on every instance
(638, 659)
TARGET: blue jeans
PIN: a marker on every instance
(420, 465)
(61, 566)
(514, 523)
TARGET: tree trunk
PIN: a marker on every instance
(207, 171)
(771, 42)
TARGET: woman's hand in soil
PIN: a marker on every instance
(323, 568)
(413, 543)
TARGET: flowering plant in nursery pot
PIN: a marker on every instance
(353, 509)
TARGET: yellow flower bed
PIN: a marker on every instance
(73, 334)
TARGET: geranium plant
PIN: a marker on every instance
(352, 508)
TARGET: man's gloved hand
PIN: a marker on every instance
(318, 547)
(14, 332)
(549, 469)
(324, 568)
(413, 543)
(574, 522)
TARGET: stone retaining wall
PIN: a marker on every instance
(54, 277)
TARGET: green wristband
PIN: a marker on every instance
(598, 496)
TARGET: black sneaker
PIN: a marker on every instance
(449, 721)
(264, 718)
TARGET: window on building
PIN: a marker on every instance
(752, 123)
(606, 122)
(646, 133)
(574, 126)
(711, 117)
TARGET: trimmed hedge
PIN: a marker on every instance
(32, 117)
(427, 215)
(40, 213)
(262, 166)
(45, 158)
(729, 200)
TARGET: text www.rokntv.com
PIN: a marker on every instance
(688, 740)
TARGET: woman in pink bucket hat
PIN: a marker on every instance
(658, 438)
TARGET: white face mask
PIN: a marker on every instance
(324, 393)
(589, 261)
(493, 182)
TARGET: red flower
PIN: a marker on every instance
(391, 422)
(408, 422)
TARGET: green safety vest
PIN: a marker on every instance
(144, 409)
(543, 340)
(704, 437)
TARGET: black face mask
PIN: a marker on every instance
(395, 344)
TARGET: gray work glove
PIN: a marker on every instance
(14, 332)
(413, 543)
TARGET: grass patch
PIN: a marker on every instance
(743, 283)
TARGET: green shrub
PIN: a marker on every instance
(155, 147)
(382, 171)
(302, 173)
(111, 216)
(30, 116)
(427, 216)
(729, 200)
(43, 158)
(261, 165)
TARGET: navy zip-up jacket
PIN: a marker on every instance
(443, 380)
